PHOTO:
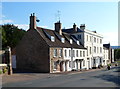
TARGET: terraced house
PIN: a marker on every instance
(92, 41)
(59, 50)
(46, 50)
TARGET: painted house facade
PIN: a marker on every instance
(110, 52)
(90, 40)
(106, 56)
(46, 50)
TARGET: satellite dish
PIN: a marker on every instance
(38, 20)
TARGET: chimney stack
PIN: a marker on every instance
(33, 21)
(58, 26)
(74, 27)
(82, 27)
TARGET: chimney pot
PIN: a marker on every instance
(58, 27)
(82, 27)
(33, 21)
(74, 27)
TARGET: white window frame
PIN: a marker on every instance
(55, 53)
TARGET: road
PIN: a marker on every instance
(98, 78)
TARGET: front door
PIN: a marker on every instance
(61, 66)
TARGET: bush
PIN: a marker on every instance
(1, 72)
(4, 70)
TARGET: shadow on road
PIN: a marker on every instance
(111, 77)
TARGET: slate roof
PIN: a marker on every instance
(106, 45)
(71, 30)
(57, 42)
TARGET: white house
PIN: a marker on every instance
(90, 40)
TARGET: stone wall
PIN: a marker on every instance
(32, 53)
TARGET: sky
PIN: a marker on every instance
(99, 16)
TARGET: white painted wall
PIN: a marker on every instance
(67, 57)
(87, 42)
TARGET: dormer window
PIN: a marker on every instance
(71, 41)
(52, 38)
(78, 42)
(63, 40)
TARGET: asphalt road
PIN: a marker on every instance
(98, 78)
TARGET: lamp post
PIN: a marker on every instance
(9, 60)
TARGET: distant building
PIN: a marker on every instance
(106, 59)
(110, 52)
(46, 50)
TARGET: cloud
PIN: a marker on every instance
(22, 26)
(2, 16)
(111, 37)
(6, 21)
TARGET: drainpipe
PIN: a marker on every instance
(71, 58)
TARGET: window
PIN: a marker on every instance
(87, 37)
(83, 62)
(83, 53)
(74, 62)
(55, 65)
(55, 53)
(76, 53)
(90, 50)
(100, 41)
(69, 63)
(80, 53)
(60, 53)
(63, 40)
(87, 50)
(94, 49)
(94, 61)
(78, 42)
(65, 53)
(100, 60)
(71, 41)
(79, 36)
(52, 39)
(73, 53)
(94, 39)
(90, 39)
(69, 53)
(100, 49)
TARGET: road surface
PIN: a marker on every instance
(98, 78)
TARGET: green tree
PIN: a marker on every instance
(117, 53)
(11, 35)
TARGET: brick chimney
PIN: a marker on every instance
(82, 27)
(74, 27)
(33, 21)
(58, 26)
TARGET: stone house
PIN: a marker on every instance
(46, 50)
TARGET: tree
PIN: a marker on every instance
(11, 35)
(117, 53)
